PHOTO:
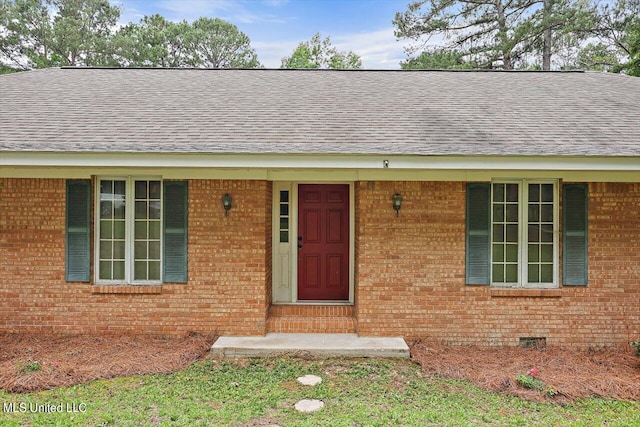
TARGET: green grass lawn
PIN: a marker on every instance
(263, 391)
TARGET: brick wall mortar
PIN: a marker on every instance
(411, 272)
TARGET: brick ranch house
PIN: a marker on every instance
(470, 207)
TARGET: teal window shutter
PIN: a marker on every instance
(175, 232)
(78, 231)
(478, 239)
(574, 234)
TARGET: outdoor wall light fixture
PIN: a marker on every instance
(226, 203)
(397, 203)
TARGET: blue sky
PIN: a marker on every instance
(275, 27)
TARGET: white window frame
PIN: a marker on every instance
(523, 234)
(129, 229)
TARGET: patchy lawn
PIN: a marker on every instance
(31, 363)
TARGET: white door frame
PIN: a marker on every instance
(285, 255)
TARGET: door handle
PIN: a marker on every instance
(299, 242)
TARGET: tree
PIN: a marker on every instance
(437, 60)
(219, 44)
(44, 33)
(493, 34)
(207, 43)
(153, 42)
(318, 53)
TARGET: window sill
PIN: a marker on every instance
(530, 293)
(126, 289)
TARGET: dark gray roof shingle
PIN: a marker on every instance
(346, 112)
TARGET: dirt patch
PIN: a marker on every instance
(40, 362)
(563, 374)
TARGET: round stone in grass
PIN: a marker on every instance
(310, 380)
(308, 406)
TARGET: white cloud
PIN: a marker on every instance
(378, 49)
(229, 10)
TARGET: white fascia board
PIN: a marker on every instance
(318, 161)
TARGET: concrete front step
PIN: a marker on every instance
(313, 345)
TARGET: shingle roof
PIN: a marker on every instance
(295, 111)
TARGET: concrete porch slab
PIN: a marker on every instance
(313, 345)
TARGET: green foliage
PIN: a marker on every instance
(529, 381)
(437, 60)
(503, 34)
(368, 392)
(318, 53)
(636, 345)
(30, 366)
(45, 33)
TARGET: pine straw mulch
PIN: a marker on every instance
(567, 374)
(31, 362)
(59, 361)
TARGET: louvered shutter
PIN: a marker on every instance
(574, 232)
(175, 232)
(478, 238)
(78, 230)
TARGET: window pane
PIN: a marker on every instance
(512, 273)
(534, 192)
(141, 189)
(154, 190)
(512, 233)
(498, 233)
(118, 250)
(534, 276)
(284, 209)
(498, 213)
(284, 196)
(140, 250)
(546, 213)
(284, 223)
(140, 270)
(512, 192)
(106, 209)
(141, 210)
(498, 253)
(546, 253)
(534, 213)
(534, 233)
(547, 233)
(512, 213)
(498, 192)
(119, 209)
(154, 270)
(105, 270)
(119, 189)
(141, 230)
(106, 229)
(512, 253)
(498, 273)
(154, 250)
(547, 192)
(119, 229)
(533, 254)
(284, 237)
(106, 249)
(154, 210)
(118, 270)
(154, 230)
(546, 273)
(106, 187)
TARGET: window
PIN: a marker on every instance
(129, 230)
(524, 248)
(284, 216)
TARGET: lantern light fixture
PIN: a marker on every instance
(397, 203)
(227, 201)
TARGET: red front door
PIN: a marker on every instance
(323, 242)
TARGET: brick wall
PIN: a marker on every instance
(411, 273)
(409, 270)
(229, 265)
